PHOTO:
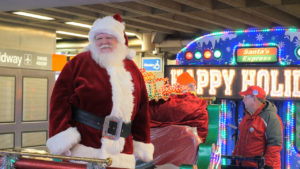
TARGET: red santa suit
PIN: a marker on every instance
(111, 91)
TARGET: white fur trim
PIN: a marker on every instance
(63, 141)
(108, 25)
(122, 98)
(119, 160)
(143, 151)
(122, 93)
(113, 146)
(131, 54)
(87, 48)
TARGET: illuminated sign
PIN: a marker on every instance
(24, 59)
(152, 64)
(226, 82)
(256, 55)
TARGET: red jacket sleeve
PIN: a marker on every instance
(274, 135)
(142, 146)
(141, 121)
(60, 109)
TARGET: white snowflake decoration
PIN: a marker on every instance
(297, 43)
(281, 44)
(227, 36)
(198, 42)
(259, 37)
(286, 59)
(228, 49)
(241, 43)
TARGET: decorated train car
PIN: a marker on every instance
(224, 63)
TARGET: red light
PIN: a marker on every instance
(189, 55)
(207, 54)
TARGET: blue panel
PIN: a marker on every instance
(286, 40)
(152, 64)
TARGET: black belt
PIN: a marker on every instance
(111, 126)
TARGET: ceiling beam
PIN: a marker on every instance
(265, 11)
(292, 8)
(60, 17)
(229, 13)
(85, 13)
(155, 22)
(235, 3)
(15, 19)
(176, 8)
(161, 17)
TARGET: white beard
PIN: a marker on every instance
(112, 59)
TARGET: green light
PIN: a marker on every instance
(272, 44)
(233, 61)
(217, 33)
(292, 29)
(293, 108)
(282, 63)
(214, 33)
(297, 52)
(239, 31)
(266, 30)
(217, 54)
(198, 55)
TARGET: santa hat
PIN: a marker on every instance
(185, 78)
(111, 25)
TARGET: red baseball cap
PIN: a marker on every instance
(254, 91)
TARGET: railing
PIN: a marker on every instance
(11, 159)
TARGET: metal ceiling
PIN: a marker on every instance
(169, 20)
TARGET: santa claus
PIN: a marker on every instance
(99, 104)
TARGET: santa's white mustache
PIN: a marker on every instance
(105, 46)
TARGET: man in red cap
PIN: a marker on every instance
(260, 130)
(99, 104)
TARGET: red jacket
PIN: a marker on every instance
(261, 135)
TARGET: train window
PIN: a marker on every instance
(35, 138)
(35, 94)
(7, 101)
(7, 140)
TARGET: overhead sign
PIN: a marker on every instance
(226, 82)
(152, 64)
(256, 55)
(24, 59)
